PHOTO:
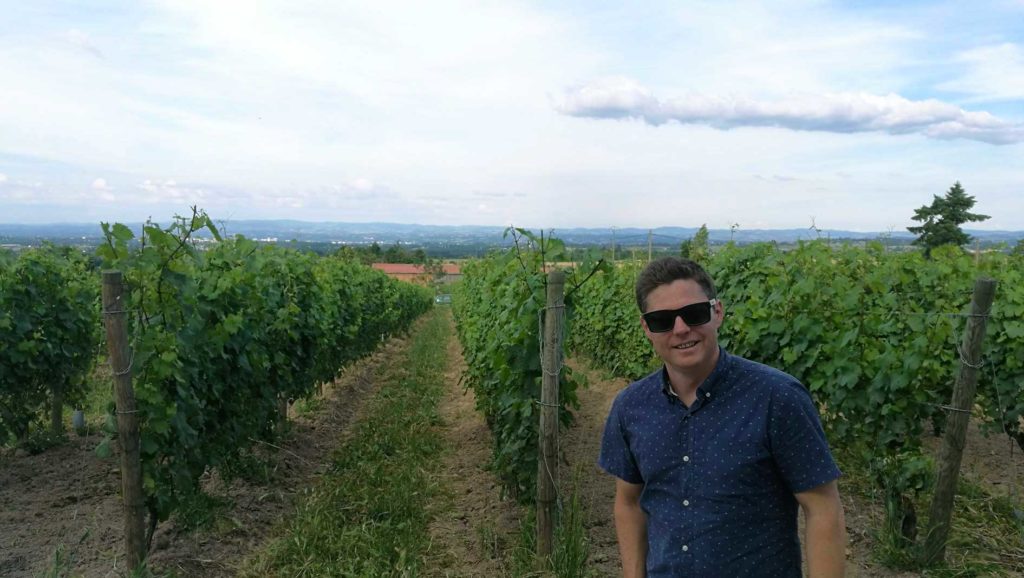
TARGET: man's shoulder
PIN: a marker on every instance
(761, 375)
(641, 391)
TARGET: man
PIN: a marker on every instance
(714, 453)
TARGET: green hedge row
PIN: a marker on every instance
(49, 334)
(222, 333)
(498, 306)
(872, 333)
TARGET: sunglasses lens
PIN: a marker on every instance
(660, 321)
(693, 315)
(696, 314)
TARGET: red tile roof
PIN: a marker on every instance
(399, 268)
(409, 269)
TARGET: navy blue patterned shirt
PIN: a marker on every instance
(719, 476)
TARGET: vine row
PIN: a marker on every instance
(49, 335)
(498, 308)
(223, 331)
(873, 334)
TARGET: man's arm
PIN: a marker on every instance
(826, 531)
(631, 529)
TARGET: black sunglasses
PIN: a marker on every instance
(693, 315)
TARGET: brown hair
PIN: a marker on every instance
(665, 270)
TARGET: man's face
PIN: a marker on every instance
(684, 349)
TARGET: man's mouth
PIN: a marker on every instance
(686, 345)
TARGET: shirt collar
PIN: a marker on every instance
(715, 384)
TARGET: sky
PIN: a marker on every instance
(783, 114)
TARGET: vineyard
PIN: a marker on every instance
(874, 335)
(224, 334)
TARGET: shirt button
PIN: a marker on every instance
(686, 458)
(686, 502)
(686, 548)
(708, 394)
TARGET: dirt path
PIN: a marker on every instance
(581, 445)
(61, 509)
(474, 527)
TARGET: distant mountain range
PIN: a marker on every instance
(449, 235)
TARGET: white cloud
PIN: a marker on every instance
(80, 40)
(994, 73)
(3, 178)
(830, 112)
(362, 184)
(100, 184)
(169, 191)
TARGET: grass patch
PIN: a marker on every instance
(368, 515)
(986, 537)
(201, 511)
(571, 545)
(308, 405)
(250, 465)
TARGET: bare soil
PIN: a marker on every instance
(66, 501)
(474, 527)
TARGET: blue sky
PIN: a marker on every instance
(769, 115)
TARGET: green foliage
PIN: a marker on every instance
(39, 440)
(49, 333)
(570, 542)
(940, 221)
(223, 331)
(903, 478)
(394, 254)
(607, 324)
(200, 510)
(872, 334)
(1001, 386)
(499, 306)
(697, 248)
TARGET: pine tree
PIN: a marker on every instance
(940, 222)
(697, 247)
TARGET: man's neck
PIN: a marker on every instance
(685, 383)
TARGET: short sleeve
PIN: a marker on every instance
(616, 457)
(798, 441)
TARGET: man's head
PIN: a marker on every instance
(665, 270)
(680, 316)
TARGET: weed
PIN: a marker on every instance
(250, 467)
(368, 515)
(986, 538)
(571, 546)
(61, 563)
(40, 439)
(200, 510)
(308, 405)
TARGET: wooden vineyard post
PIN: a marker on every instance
(951, 453)
(115, 319)
(57, 409)
(551, 364)
(282, 410)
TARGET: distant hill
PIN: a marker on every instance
(389, 233)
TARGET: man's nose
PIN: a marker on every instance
(679, 326)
